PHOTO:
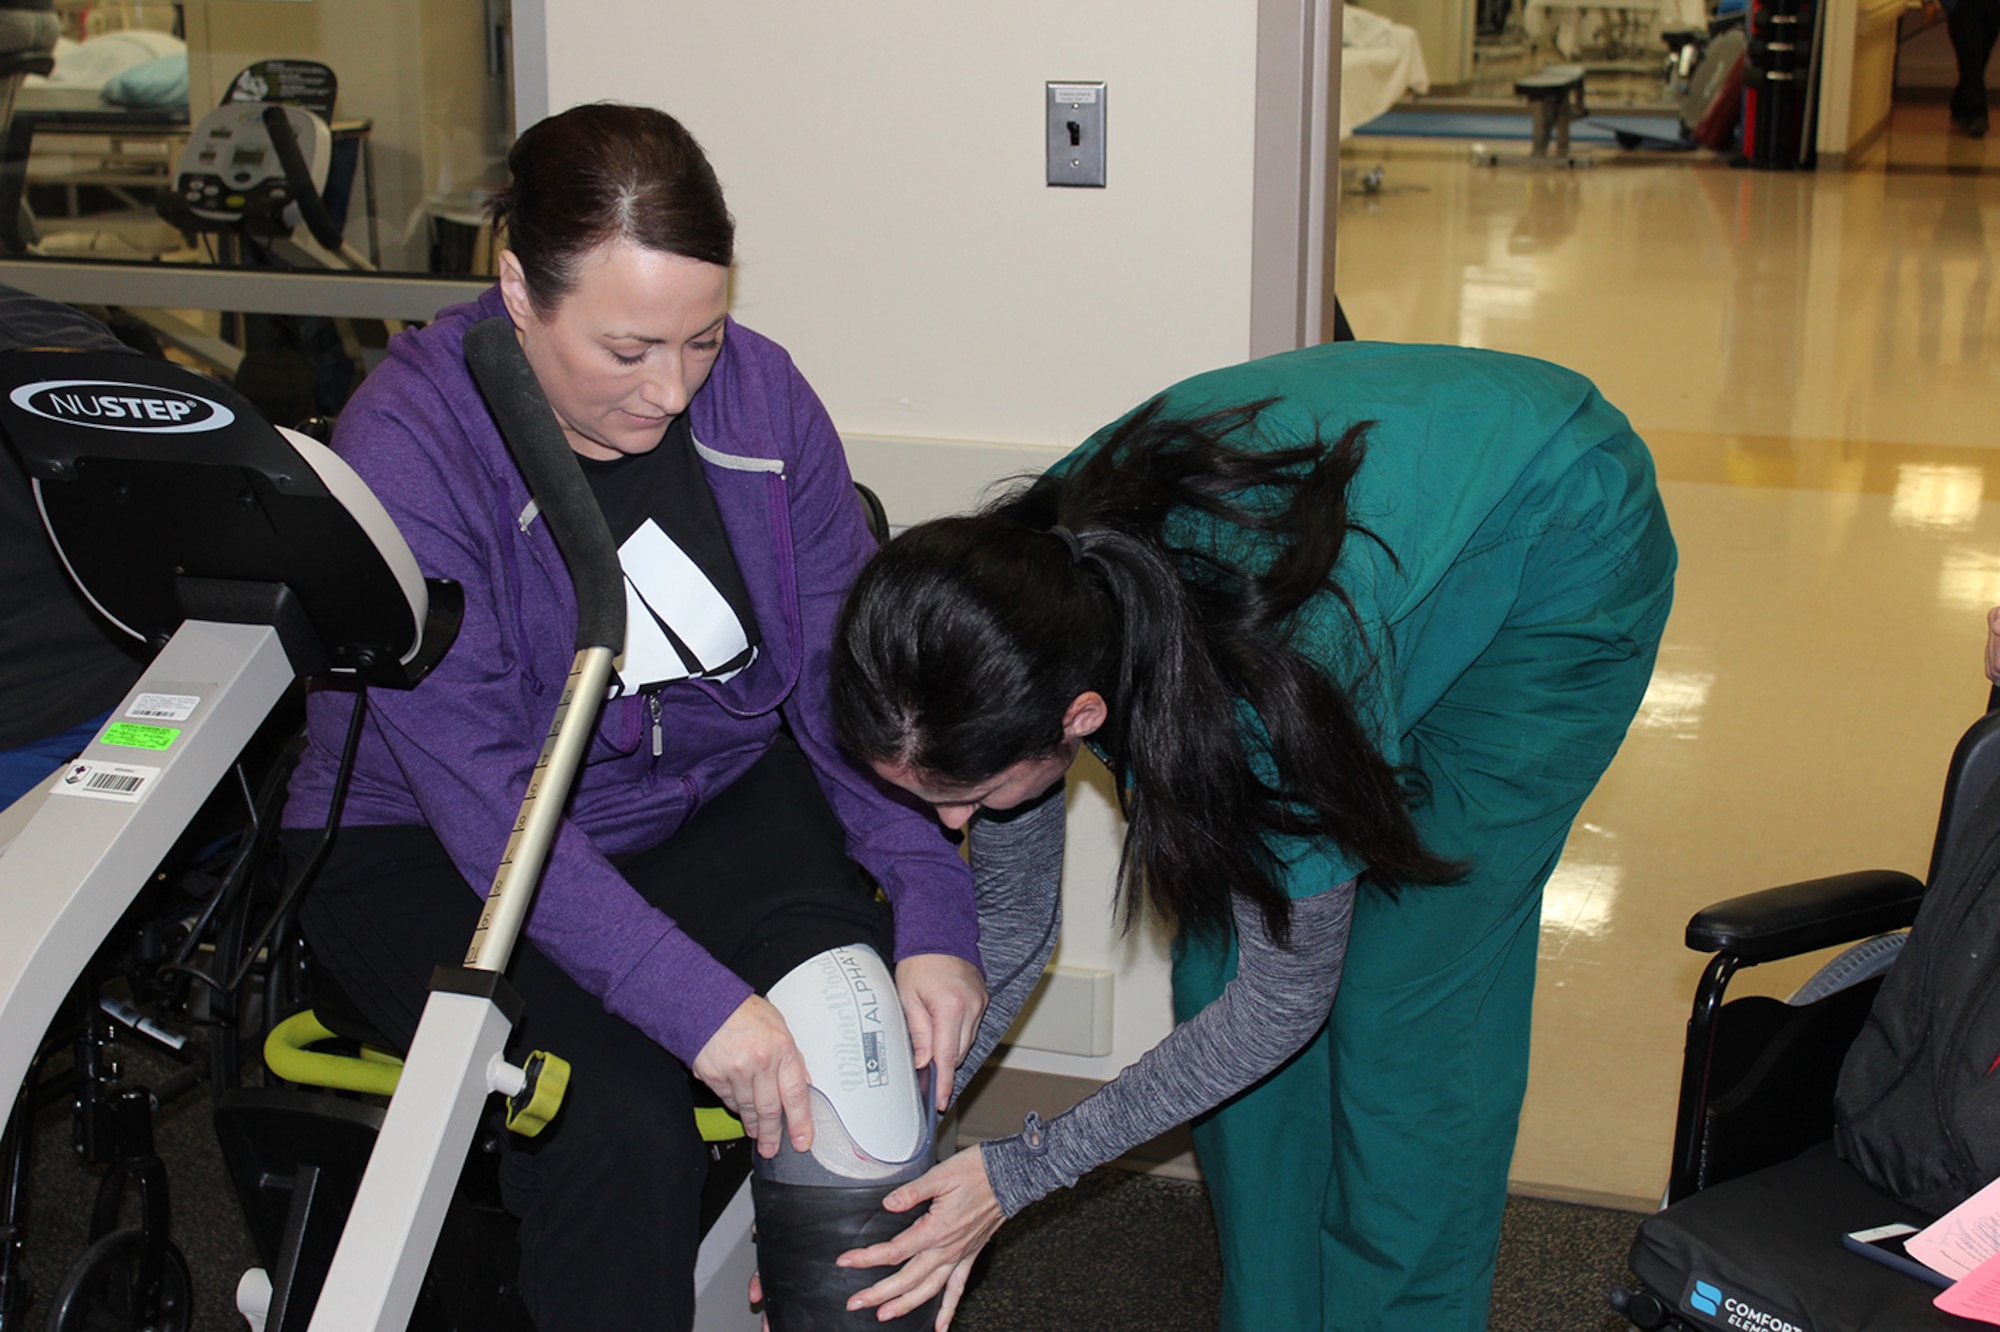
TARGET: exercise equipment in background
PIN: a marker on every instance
(263, 182)
(257, 167)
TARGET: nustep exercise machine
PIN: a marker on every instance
(254, 556)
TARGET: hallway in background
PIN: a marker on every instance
(1815, 361)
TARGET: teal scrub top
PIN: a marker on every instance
(1470, 455)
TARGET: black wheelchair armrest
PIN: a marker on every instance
(1800, 917)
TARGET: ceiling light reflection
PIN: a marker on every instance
(1581, 898)
(1937, 495)
(1969, 580)
(1499, 291)
(1674, 702)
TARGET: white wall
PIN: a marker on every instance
(885, 165)
(962, 320)
(1857, 77)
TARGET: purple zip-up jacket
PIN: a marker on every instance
(455, 752)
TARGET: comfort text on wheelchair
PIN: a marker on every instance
(1709, 1298)
(108, 405)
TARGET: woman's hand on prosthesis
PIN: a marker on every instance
(938, 1249)
(753, 1065)
(943, 998)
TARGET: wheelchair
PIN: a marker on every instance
(149, 985)
(1758, 1202)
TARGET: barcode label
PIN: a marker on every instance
(164, 707)
(127, 782)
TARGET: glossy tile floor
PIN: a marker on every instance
(1815, 360)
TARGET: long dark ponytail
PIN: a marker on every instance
(966, 639)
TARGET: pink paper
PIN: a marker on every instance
(1975, 1296)
(1962, 1238)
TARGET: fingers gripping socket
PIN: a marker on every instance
(801, 1230)
(874, 1127)
(873, 1120)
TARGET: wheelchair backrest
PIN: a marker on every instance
(1975, 766)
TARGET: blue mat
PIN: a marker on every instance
(1655, 133)
(1501, 125)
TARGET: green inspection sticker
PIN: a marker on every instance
(131, 735)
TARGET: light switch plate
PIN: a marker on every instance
(1076, 134)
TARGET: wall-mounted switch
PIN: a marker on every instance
(1076, 134)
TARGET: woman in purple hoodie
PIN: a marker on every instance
(712, 839)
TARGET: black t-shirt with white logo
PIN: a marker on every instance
(687, 610)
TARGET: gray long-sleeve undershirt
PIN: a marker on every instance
(1017, 860)
(1276, 1001)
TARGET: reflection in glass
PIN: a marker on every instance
(393, 118)
(424, 109)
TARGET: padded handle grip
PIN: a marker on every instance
(312, 208)
(508, 384)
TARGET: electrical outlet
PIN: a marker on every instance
(1070, 1012)
(1076, 134)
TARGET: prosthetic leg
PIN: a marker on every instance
(874, 1128)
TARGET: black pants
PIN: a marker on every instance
(1973, 25)
(608, 1195)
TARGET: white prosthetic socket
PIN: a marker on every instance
(874, 1127)
(872, 1112)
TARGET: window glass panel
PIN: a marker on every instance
(416, 140)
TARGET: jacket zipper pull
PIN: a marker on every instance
(653, 710)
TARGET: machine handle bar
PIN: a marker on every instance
(529, 427)
(312, 208)
(508, 384)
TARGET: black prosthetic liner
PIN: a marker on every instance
(801, 1229)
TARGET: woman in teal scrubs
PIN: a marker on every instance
(1359, 627)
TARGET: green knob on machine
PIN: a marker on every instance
(530, 1109)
